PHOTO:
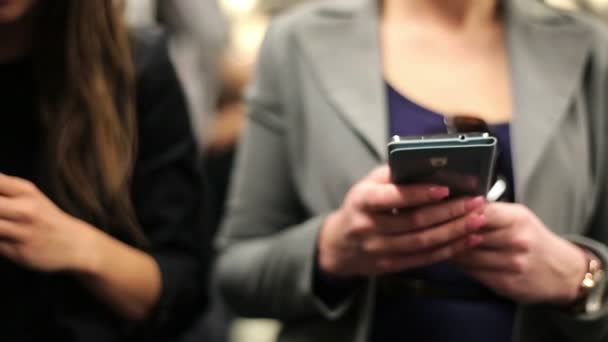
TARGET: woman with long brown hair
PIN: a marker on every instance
(99, 192)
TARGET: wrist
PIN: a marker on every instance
(575, 292)
(326, 260)
(584, 272)
(591, 286)
(87, 253)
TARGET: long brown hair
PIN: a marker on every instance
(85, 78)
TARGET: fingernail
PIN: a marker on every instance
(475, 203)
(474, 240)
(439, 192)
(475, 222)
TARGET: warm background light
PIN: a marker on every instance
(237, 8)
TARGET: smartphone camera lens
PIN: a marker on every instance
(462, 137)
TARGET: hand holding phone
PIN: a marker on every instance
(365, 236)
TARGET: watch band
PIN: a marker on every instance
(592, 286)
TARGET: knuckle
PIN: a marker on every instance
(521, 243)
(372, 246)
(522, 213)
(519, 264)
(354, 195)
(371, 197)
(374, 194)
(420, 241)
(28, 187)
(25, 234)
(359, 193)
(351, 234)
(361, 224)
(362, 189)
(432, 239)
(27, 210)
(417, 219)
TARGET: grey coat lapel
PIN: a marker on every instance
(351, 75)
(547, 57)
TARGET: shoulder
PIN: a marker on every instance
(573, 27)
(597, 30)
(315, 14)
(150, 52)
(589, 26)
(161, 107)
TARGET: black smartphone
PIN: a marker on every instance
(463, 162)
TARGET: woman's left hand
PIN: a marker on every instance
(37, 234)
(522, 259)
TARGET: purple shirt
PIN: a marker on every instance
(442, 320)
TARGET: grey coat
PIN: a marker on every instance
(318, 123)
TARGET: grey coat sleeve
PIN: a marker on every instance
(560, 324)
(268, 239)
(538, 321)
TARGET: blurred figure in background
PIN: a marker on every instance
(318, 237)
(198, 39)
(198, 32)
(100, 193)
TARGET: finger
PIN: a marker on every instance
(501, 214)
(460, 182)
(381, 174)
(420, 241)
(11, 231)
(492, 260)
(9, 250)
(14, 186)
(13, 209)
(509, 239)
(384, 197)
(399, 263)
(426, 216)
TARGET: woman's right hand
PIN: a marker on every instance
(382, 227)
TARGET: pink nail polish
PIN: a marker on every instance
(439, 192)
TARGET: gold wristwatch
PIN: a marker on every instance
(592, 287)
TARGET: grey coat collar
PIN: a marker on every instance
(547, 54)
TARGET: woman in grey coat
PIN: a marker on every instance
(312, 237)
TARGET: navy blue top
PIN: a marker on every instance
(442, 320)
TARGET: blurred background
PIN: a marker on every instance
(213, 46)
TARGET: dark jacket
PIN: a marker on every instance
(167, 193)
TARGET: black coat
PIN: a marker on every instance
(167, 193)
